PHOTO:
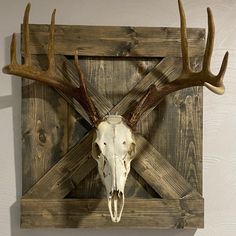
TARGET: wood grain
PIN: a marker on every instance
(144, 74)
(168, 67)
(116, 41)
(159, 173)
(44, 130)
(68, 172)
(67, 70)
(178, 124)
(138, 213)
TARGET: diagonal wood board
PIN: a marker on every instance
(55, 158)
(46, 183)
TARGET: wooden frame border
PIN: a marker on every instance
(183, 205)
(117, 41)
(86, 213)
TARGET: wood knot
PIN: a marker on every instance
(42, 136)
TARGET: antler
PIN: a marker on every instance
(188, 78)
(49, 76)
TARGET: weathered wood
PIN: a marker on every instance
(178, 124)
(145, 186)
(169, 68)
(105, 74)
(100, 72)
(188, 139)
(116, 41)
(67, 70)
(68, 172)
(113, 78)
(159, 173)
(138, 213)
(44, 130)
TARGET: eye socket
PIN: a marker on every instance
(105, 143)
(97, 150)
(132, 149)
(124, 143)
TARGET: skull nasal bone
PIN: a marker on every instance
(115, 175)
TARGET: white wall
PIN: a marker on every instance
(219, 111)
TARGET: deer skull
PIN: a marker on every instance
(114, 149)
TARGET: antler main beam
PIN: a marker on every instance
(187, 78)
(49, 76)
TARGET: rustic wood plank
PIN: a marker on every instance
(159, 173)
(77, 127)
(145, 186)
(116, 41)
(93, 213)
(188, 139)
(44, 130)
(178, 124)
(113, 78)
(68, 172)
(167, 69)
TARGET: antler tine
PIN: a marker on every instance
(80, 73)
(184, 40)
(26, 39)
(51, 45)
(13, 50)
(223, 67)
(214, 83)
(218, 87)
(86, 102)
(210, 42)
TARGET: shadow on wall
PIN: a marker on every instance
(14, 101)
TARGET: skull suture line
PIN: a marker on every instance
(114, 149)
(114, 145)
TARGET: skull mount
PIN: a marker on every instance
(113, 149)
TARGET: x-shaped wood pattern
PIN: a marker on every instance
(149, 163)
(177, 179)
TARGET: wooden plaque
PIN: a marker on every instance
(61, 185)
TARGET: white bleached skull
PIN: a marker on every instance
(114, 149)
